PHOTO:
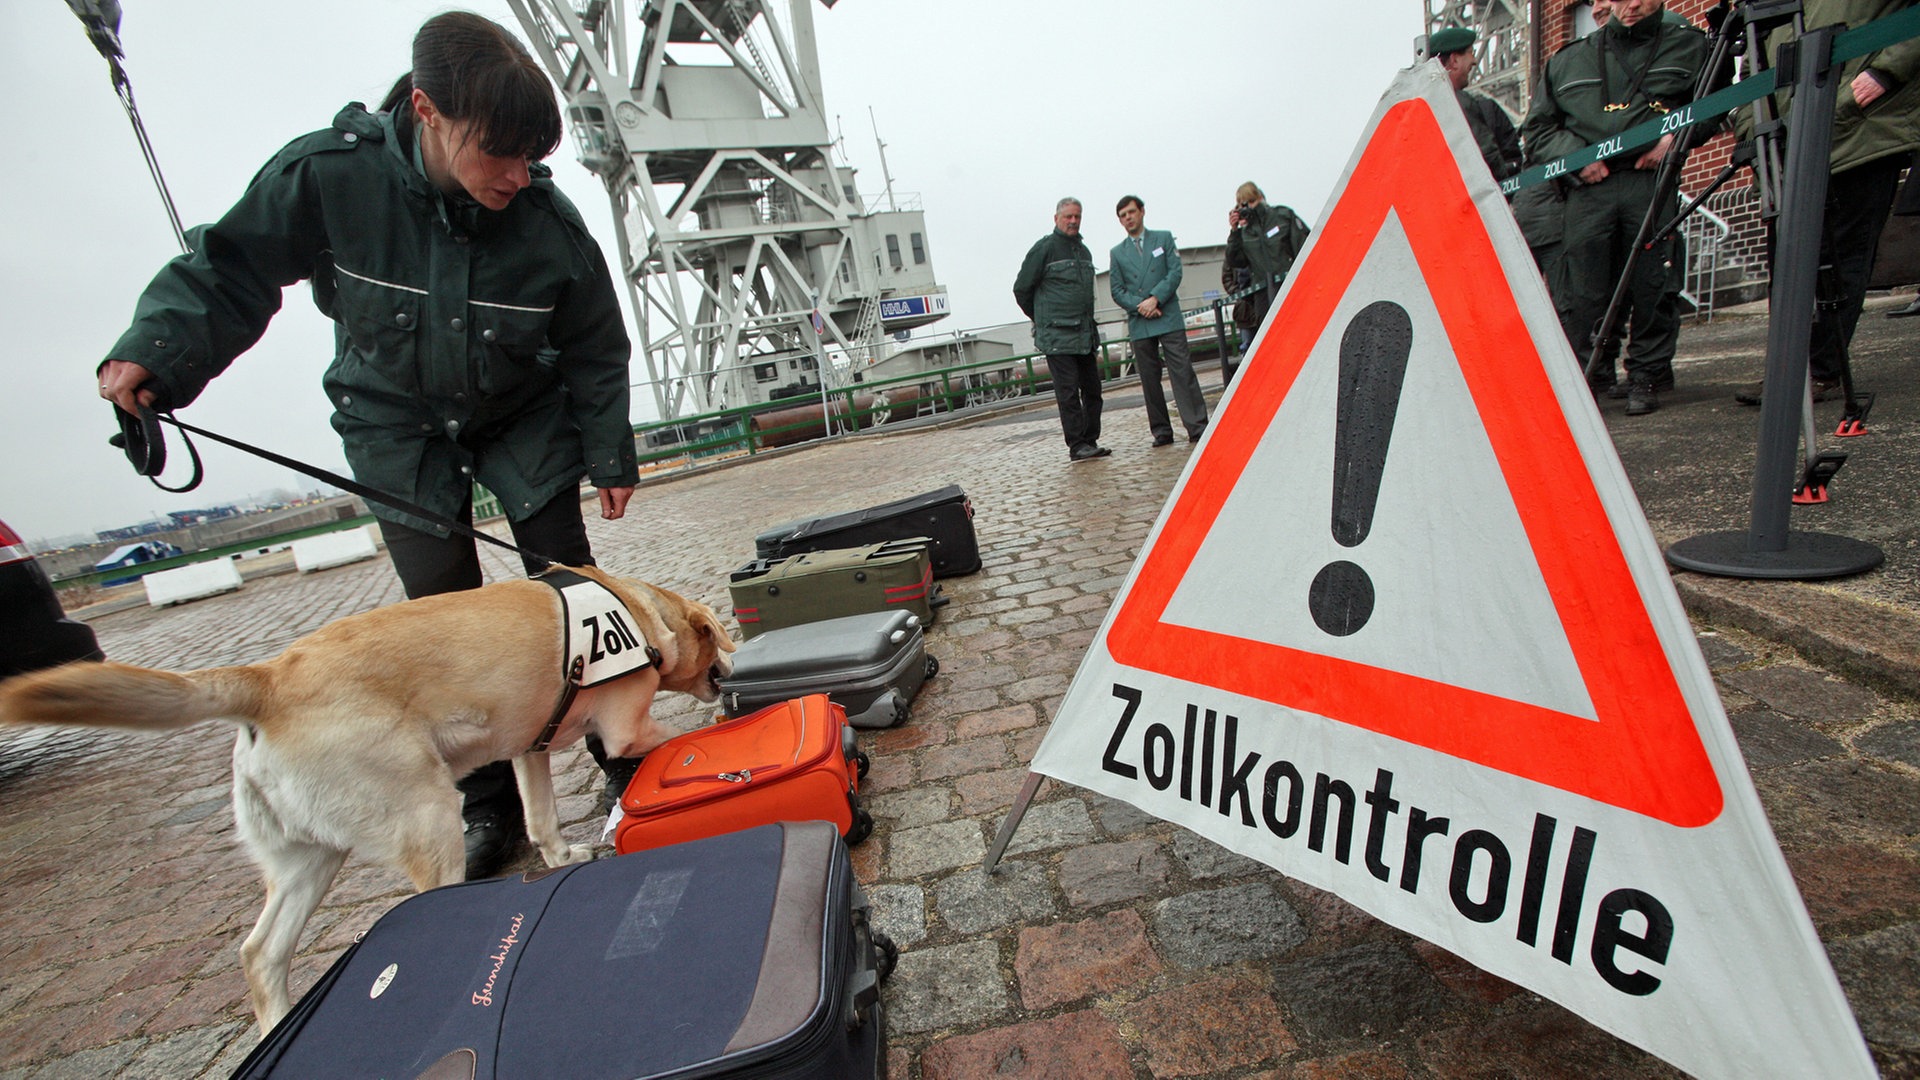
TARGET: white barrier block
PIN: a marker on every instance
(191, 582)
(333, 549)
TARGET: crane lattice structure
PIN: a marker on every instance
(750, 256)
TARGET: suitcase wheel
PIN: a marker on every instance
(862, 826)
(933, 666)
(899, 713)
(886, 955)
(861, 762)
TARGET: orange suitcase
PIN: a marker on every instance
(794, 761)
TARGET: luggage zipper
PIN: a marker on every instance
(735, 776)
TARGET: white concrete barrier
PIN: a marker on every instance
(334, 549)
(191, 582)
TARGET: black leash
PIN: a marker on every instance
(145, 444)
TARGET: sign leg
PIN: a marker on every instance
(1014, 814)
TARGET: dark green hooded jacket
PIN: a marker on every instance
(469, 344)
(1267, 243)
(1055, 289)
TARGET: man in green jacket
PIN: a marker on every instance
(1055, 289)
(477, 334)
(1637, 68)
(1876, 126)
(1264, 239)
(1143, 277)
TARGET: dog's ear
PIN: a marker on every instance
(710, 625)
(654, 627)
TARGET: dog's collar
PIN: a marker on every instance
(600, 644)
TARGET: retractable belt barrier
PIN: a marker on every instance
(1859, 41)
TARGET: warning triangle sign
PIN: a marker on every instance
(1402, 229)
(1401, 631)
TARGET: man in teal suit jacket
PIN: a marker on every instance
(1144, 277)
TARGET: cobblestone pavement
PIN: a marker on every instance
(1112, 945)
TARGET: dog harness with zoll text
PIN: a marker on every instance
(601, 643)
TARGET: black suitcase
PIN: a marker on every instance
(811, 586)
(945, 515)
(744, 954)
(870, 665)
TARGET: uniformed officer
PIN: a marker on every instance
(1492, 131)
(1055, 288)
(1264, 239)
(477, 332)
(1637, 68)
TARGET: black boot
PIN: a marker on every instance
(619, 774)
(1641, 398)
(492, 843)
(496, 824)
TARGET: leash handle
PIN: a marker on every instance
(141, 437)
(146, 447)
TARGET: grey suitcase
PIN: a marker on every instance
(871, 665)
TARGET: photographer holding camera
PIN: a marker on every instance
(1264, 240)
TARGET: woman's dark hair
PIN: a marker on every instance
(475, 71)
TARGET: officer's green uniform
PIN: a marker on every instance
(1055, 289)
(1614, 79)
(1499, 143)
(470, 344)
(1266, 243)
(1492, 131)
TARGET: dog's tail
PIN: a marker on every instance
(124, 696)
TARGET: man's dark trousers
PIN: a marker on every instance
(1169, 351)
(1858, 202)
(1076, 386)
(1602, 221)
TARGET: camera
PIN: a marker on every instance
(1243, 209)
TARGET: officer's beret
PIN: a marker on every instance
(1452, 39)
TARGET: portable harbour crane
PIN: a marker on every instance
(755, 268)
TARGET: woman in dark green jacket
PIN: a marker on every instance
(477, 334)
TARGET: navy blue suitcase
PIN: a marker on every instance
(745, 954)
(944, 516)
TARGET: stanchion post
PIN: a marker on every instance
(1769, 548)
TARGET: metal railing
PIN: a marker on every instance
(743, 431)
(1704, 231)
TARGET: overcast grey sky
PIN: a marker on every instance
(991, 110)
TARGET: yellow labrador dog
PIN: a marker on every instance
(352, 739)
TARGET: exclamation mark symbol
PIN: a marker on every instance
(1373, 368)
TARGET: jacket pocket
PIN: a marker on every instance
(513, 350)
(382, 320)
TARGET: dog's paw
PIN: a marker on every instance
(579, 853)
